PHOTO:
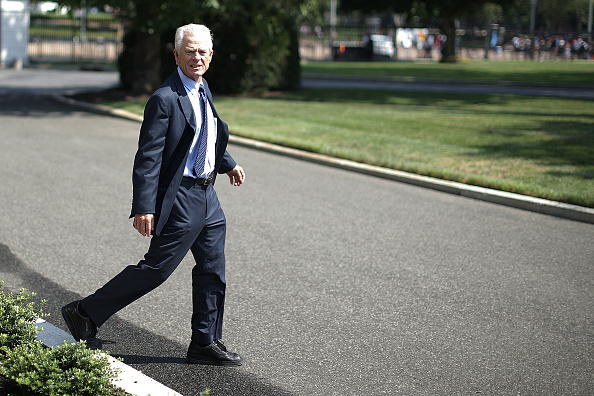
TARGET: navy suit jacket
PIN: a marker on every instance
(166, 134)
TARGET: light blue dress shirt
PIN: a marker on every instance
(191, 87)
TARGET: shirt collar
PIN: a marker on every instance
(189, 84)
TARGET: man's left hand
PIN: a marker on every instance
(236, 176)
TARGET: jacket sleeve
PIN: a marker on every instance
(227, 164)
(147, 162)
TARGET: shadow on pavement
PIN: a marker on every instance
(154, 355)
(12, 104)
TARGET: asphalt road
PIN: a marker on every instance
(338, 283)
(524, 89)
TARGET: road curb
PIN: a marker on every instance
(129, 379)
(553, 208)
(519, 201)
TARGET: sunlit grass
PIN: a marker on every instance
(542, 147)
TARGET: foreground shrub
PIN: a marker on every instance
(28, 368)
(70, 369)
(17, 318)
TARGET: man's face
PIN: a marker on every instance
(194, 56)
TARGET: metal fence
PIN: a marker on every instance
(74, 40)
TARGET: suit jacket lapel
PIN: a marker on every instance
(184, 101)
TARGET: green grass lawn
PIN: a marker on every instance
(537, 146)
(574, 72)
(542, 147)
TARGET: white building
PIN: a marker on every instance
(14, 33)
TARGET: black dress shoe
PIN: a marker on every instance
(216, 354)
(81, 327)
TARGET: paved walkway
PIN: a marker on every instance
(338, 283)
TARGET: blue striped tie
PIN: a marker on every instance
(201, 155)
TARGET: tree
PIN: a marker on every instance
(390, 6)
(255, 42)
(146, 21)
(563, 14)
(376, 5)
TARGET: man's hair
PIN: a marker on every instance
(193, 29)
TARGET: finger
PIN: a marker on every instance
(143, 226)
(138, 225)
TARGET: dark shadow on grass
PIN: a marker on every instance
(387, 97)
(432, 100)
(566, 143)
(569, 115)
(585, 174)
(453, 72)
(153, 354)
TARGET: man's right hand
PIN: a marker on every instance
(144, 223)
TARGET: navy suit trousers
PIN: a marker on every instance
(196, 223)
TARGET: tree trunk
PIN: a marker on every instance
(146, 76)
(448, 51)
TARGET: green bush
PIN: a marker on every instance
(27, 367)
(256, 46)
(71, 369)
(17, 318)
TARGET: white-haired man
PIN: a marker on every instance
(181, 149)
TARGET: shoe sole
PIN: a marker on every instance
(70, 324)
(212, 362)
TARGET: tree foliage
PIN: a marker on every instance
(563, 14)
(255, 41)
(377, 5)
(256, 44)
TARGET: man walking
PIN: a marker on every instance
(181, 149)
